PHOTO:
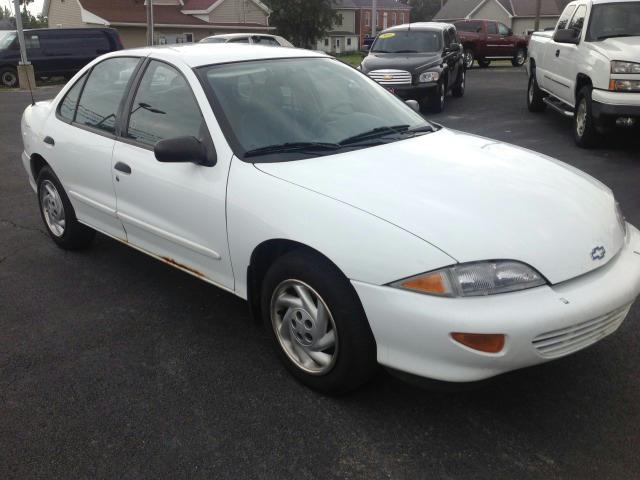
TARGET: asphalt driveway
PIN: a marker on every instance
(114, 365)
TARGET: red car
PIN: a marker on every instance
(486, 40)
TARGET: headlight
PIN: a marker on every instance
(428, 77)
(473, 279)
(624, 85)
(621, 220)
(624, 67)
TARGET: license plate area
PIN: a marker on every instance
(391, 89)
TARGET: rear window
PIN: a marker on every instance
(474, 27)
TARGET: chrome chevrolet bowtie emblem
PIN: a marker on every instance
(388, 77)
(598, 253)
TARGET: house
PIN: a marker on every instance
(7, 24)
(519, 15)
(354, 23)
(176, 21)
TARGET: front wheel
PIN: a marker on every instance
(519, 59)
(317, 323)
(58, 215)
(435, 101)
(8, 77)
(535, 96)
(584, 128)
(458, 88)
(468, 58)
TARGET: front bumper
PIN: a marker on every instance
(413, 92)
(412, 330)
(615, 104)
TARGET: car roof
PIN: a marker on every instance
(199, 54)
(419, 26)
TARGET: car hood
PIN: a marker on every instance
(474, 198)
(410, 62)
(621, 48)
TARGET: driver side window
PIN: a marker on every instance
(503, 30)
(564, 18)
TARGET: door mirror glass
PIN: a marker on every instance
(568, 35)
(415, 106)
(182, 150)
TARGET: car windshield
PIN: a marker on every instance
(6, 39)
(293, 108)
(609, 20)
(408, 41)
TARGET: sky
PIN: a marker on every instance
(35, 7)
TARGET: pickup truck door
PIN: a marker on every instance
(507, 41)
(174, 211)
(566, 56)
(553, 76)
(494, 46)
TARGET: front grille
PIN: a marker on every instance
(571, 339)
(391, 77)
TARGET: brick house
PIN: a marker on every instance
(354, 23)
(176, 21)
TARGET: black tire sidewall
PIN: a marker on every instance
(458, 89)
(75, 234)
(356, 361)
(468, 51)
(11, 70)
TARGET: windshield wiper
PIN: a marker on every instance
(374, 133)
(405, 51)
(614, 35)
(292, 147)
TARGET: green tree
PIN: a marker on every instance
(303, 22)
(423, 10)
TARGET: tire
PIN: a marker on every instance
(484, 63)
(535, 96)
(584, 128)
(435, 102)
(520, 58)
(58, 215)
(343, 365)
(468, 58)
(458, 89)
(8, 77)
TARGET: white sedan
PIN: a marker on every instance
(361, 233)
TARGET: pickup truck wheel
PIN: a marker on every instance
(468, 58)
(519, 59)
(535, 96)
(584, 128)
(317, 323)
(458, 88)
(484, 63)
(58, 215)
(8, 77)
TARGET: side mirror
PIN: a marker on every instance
(566, 35)
(510, 32)
(365, 48)
(183, 150)
(415, 106)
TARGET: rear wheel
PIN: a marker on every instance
(535, 96)
(58, 215)
(484, 63)
(8, 77)
(519, 59)
(584, 128)
(468, 58)
(317, 323)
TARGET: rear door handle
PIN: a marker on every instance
(49, 141)
(123, 167)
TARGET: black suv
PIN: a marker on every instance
(419, 61)
(55, 51)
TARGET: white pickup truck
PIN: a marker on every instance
(588, 68)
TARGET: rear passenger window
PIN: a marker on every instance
(32, 41)
(239, 40)
(268, 41)
(103, 92)
(492, 27)
(564, 18)
(67, 108)
(164, 107)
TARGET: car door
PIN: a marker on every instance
(451, 57)
(493, 40)
(80, 137)
(506, 41)
(174, 211)
(567, 58)
(549, 76)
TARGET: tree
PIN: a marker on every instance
(423, 10)
(303, 22)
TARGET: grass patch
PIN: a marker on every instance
(354, 59)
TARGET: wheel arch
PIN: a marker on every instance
(37, 163)
(582, 81)
(262, 257)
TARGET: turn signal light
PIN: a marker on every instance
(431, 283)
(483, 342)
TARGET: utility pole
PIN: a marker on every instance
(374, 17)
(536, 25)
(149, 22)
(26, 78)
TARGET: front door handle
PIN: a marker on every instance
(49, 141)
(558, 53)
(123, 167)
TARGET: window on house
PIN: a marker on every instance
(188, 37)
(394, 18)
(348, 41)
(339, 20)
(326, 42)
(367, 18)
